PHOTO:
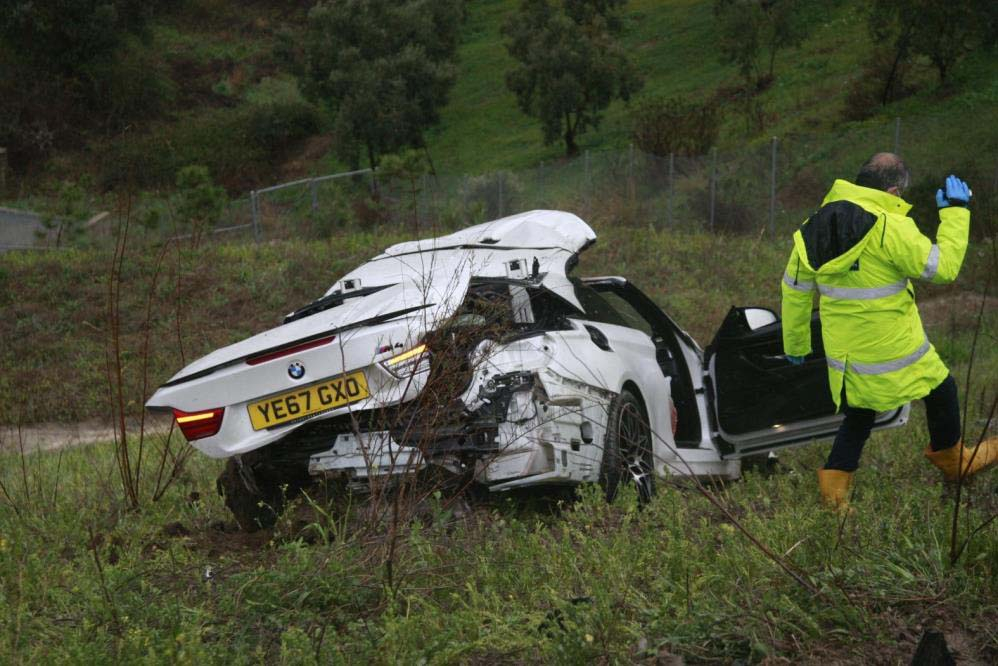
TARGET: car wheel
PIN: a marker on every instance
(627, 449)
(255, 491)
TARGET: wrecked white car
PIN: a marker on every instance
(479, 354)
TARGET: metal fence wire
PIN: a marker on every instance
(765, 189)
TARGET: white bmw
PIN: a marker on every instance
(479, 354)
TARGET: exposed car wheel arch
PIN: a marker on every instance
(627, 446)
(629, 385)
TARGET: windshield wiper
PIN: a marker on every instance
(332, 300)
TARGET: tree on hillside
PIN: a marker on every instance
(569, 64)
(943, 32)
(752, 32)
(384, 68)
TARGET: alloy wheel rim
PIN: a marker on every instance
(634, 440)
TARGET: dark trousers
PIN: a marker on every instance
(942, 413)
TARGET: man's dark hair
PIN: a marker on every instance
(883, 171)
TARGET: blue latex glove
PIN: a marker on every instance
(794, 360)
(957, 193)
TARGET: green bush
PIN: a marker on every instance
(490, 196)
(238, 146)
(662, 126)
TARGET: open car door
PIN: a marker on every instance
(759, 401)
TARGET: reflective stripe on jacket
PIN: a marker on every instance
(858, 253)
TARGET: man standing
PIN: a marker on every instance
(859, 251)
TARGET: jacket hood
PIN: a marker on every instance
(831, 240)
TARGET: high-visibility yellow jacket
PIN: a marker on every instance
(858, 252)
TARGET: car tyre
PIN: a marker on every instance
(255, 491)
(627, 449)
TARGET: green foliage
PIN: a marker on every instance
(383, 68)
(63, 221)
(752, 32)
(662, 126)
(198, 203)
(492, 195)
(407, 165)
(238, 145)
(882, 80)
(65, 38)
(408, 168)
(943, 32)
(70, 65)
(570, 66)
(579, 581)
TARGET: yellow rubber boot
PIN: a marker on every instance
(835, 485)
(959, 458)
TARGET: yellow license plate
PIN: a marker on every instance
(308, 400)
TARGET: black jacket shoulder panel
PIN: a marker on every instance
(834, 230)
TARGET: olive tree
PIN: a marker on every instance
(752, 32)
(570, 66)
(383, 68)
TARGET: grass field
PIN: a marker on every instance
(84, 578)
(85, 581)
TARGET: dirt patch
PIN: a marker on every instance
(54, 436)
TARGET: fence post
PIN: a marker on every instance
(499, 186)
(314, 187)
(713, 183)
(3, 170)
(589, 188)
(897, 134)
(672, 171)
(255, 212)
(772, 193)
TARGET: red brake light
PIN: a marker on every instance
(197, 425)
(287, 351)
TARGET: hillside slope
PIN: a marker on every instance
(235, 110)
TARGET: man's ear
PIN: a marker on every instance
(894, 190)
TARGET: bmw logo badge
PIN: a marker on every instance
(296, 370)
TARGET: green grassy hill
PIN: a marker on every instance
(674, 44)
(220, 62)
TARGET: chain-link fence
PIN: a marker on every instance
(765, 189)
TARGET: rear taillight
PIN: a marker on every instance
(198, 425)
(408, 363)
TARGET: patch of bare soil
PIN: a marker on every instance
(55, 436)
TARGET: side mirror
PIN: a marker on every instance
(757, 318)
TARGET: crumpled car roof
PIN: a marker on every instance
(536, 229)
(429, 279)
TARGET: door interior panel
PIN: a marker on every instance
(756, 387)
